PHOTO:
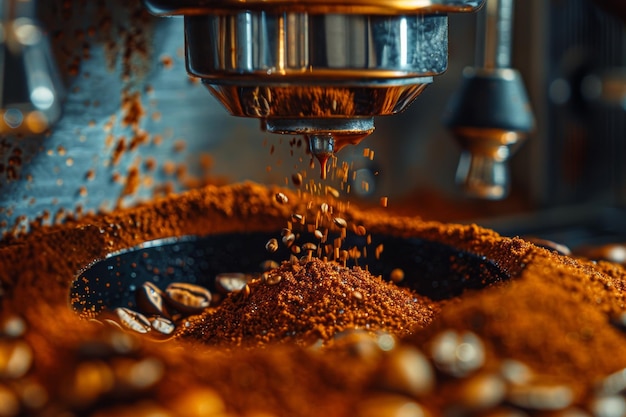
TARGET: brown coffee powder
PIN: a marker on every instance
(542, 343)
(302, 302)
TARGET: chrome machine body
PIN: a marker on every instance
(98, 112)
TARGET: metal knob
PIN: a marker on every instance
(490, 115)
(30, 87)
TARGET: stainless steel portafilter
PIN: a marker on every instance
(322, 69)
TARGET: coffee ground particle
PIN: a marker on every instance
(553, 315)
(314, 300)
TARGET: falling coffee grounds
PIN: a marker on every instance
(294, 340)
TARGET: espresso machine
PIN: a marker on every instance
(104, 104)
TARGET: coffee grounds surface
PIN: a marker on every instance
(549, 341)
(310, 300)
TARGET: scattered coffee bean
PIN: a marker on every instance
(271, 279)
(281, 198)
(289, 239)
(9, 402)
(230, 282)
(325, 208)
(188, 298)
(149, 300)
(296, 179)
(13, 327)
(389, 405)
(406, 370)
(132, 320)
(310, 247)
(397, 275)
(457, 354)
(340, 222)
(481, 392)
(272, 245)
(318, 234)
(614, 383)
(539, 395)
(515, 372)
(268, 265)
(16, 358)
(360, 230)
(295, 249)
(162, 326)
(357, 295)
(608, 406)
(297, 218)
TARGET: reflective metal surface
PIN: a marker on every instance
(30, 86)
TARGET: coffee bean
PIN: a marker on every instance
(481, 392)
(188, 298)
(318, 234)
(360, 230)
(272, 245)
(457, 354)
(149, 300)
(340, 222)
(9, 402)
(310, 247)
(16, 358)
(379, 405)
(297, 218)
(132, 320)
(199, 402)
(162, 326)
(357, 295)
(271, 279)
(397, 275)
(515, 372)
(296, 179)
(289, 239)
(406, 370)
(13, 327)
(614, 383)
(230, 282)
(325, 208)
(608, 406)
(268, 265)
(539, 395)
(281, 198)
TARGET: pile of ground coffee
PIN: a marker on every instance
(549, 341)
(310, 300)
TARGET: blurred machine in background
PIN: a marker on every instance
(131, 125)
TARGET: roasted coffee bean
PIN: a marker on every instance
(281, 198)
(149, 300)
(132, 320)
(406, 370)
(318, 234)
(515, 372)
(297, 218)
(13, 327)
(138, 374)
(480, 392)
(339, 222)
(539, 395)
(325, 208)
(9, 402)
(360, 230)
(199, 402)
(397, 275)
(378, 405)
(608, 406)
(188, 298)
(296, 179)
(162, 326)
(230, 282)
(272, 245)
(271, 279)
(268, 265)
(614, 383)
(16, 358)
(309, 247)
(289, 239)
(457, 354)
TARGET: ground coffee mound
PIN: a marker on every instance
(549, 341)
(310, 300)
